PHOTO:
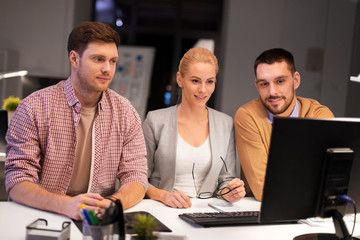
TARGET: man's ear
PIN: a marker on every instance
(297, 80)
(74, 58)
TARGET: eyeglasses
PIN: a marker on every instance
(218, 192)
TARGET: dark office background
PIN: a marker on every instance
(36, 32)
(172, 27)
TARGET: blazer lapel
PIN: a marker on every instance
(172, 148)
(211, 179)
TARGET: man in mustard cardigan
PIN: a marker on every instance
(276, 81)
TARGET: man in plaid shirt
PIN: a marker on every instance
(68, 143)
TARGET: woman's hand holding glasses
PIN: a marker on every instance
(237, 190)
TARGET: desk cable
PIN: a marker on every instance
(348, 199)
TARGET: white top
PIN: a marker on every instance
(186, 156)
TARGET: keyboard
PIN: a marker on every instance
(213, 219)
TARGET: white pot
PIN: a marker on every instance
(10, 115)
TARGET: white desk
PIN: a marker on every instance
(15, 217)
(169, 216)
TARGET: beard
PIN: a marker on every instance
(279, 108)
(89, 83)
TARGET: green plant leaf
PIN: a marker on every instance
(11, 103)
(144, 226)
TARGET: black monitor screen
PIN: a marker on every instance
(293, 181)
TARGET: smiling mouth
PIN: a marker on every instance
(103, 79)
(202, 98)
(274, 101)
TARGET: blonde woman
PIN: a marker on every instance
(191, 149)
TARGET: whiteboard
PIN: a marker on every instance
(133, 74)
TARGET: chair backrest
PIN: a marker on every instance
(3, 129)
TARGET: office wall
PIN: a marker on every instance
(353, 96)
(299, 26)
(38, 29)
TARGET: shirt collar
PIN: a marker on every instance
(294, 113)
(73, 101)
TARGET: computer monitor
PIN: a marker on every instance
(295, 181)
(3, 129)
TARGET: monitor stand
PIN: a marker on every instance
(341, 232)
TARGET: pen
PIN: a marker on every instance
(86, 217)
(93, 218)
(85, 214)
(81, 214)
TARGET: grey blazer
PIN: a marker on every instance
(160, 132)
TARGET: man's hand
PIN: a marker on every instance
(33, 195)
(93, 201)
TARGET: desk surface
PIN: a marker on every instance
(14, 218)
(169, 216)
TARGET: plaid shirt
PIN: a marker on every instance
(42, 139)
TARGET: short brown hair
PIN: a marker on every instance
(87, 32)
(276, 55)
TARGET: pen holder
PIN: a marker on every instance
(110, 227)
(99, 232)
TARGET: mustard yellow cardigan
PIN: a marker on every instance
(253, 132)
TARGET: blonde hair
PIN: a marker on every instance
(196, 55)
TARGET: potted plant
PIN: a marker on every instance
(144, 227)
(10, 105)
